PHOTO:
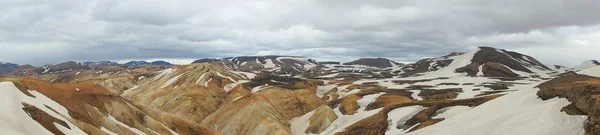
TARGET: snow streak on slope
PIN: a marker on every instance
(458, 61)
(518, 113)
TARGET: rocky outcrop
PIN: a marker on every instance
(583, 93)
(374, 62)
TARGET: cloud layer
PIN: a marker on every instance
(41, 32)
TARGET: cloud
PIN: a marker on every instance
(52, 31)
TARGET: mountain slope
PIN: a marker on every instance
(192, 91)
(37, 107)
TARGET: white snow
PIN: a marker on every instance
(299, 124)
(248, 75)
(200, 78)
(206, 83)
(400, 116)
(458, 61)
(323, 89)
(517, 113)
(259, 88)
(480, 70)
(15, 121)
(415, 95)
(221, 75)
(330, 75)
(593, 71)
(230, 86)
(269, 64)
(344, 121)
(586, 65)
(170, 81)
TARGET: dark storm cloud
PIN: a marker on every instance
(51, 31)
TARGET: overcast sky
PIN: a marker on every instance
(40, 32)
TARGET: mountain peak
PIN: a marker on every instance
(378, 62)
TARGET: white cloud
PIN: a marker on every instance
(405, 30)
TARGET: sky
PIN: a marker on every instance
(565, 32)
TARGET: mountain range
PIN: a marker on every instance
(485, 91)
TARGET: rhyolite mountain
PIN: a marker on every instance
(293, 65)
(485, 91)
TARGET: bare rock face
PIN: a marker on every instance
(492, 69)
(321, 120)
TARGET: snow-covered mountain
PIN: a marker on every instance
(485, 61)
(288, 65)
